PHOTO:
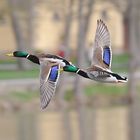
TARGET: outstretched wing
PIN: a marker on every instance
(49, 75)
(102, 55)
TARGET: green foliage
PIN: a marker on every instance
(8, 61)
(99, 89)
(11, 74)
(121, 58)
(24, 96)
(69, 95)
(120, 62)
(105, 89)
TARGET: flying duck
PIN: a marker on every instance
(50, 67)
(100, 69)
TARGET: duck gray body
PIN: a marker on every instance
(105, 76)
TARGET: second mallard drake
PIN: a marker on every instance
(100, 69)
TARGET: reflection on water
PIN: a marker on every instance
(108, 124)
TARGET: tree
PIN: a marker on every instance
(17, 29)
(83, 24)
(134, 43)
(131, 21)
(22, 18)
(61, 91)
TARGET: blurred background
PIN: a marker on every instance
(81, 109)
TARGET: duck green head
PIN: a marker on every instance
(23, 54)
(18, 54)
(70, 68)
(74, 69)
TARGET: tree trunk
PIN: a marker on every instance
(31, 17)
(61, 91)
(17, 31)
(83, 23)
(134, 50)
(126, 32)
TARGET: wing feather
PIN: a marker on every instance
(49, 75)
(102, 54)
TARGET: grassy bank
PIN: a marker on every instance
(11, 74)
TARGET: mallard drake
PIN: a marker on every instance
(50, 67)
(100, 69)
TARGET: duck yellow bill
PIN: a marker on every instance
(9, 54)
(60, 70)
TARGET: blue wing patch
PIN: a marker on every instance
(106, 55)
(53, 73)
